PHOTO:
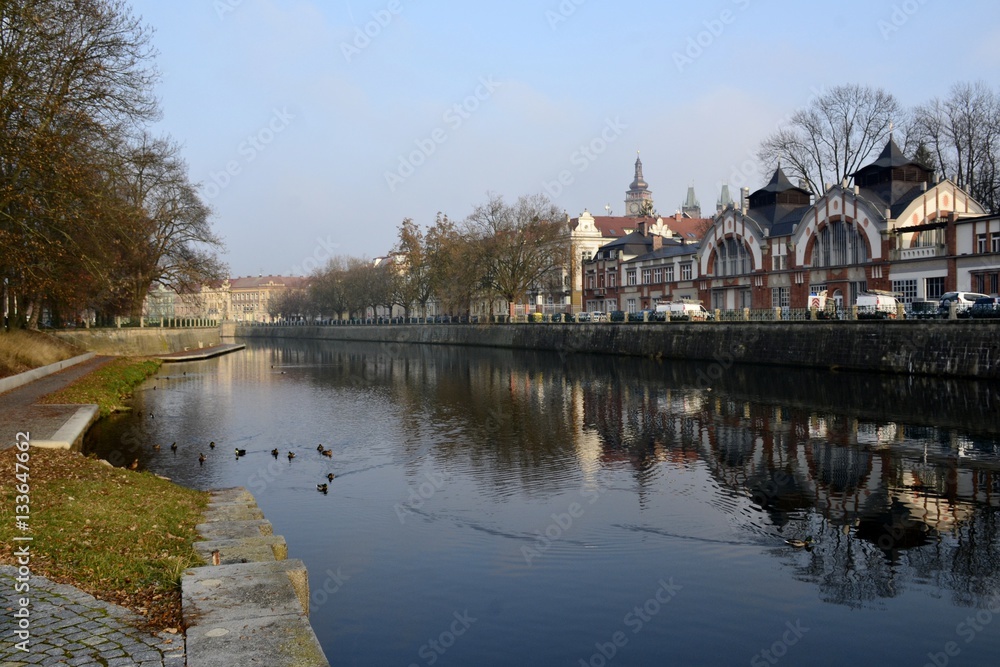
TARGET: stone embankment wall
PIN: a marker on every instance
(963, 348)
(146, 341)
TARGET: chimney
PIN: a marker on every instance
(744, 199)
(657, 242)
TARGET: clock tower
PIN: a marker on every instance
(638, 198)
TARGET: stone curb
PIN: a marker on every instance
(252, 605)
(27, 377)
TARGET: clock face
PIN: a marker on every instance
(633, 207)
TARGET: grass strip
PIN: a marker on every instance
(124, 537)
(110, 386)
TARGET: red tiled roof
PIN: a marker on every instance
(617, 226)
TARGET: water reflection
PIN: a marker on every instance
(896, 479)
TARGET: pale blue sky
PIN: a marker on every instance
(310, 141)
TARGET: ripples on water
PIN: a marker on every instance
(550, 498)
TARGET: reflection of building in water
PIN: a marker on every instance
(858, 486)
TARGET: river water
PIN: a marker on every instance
(495, 507)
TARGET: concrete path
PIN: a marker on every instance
(70, 627)
(19, 412)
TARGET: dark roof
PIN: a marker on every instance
(786, 225)
(779, 183)
(891, 156)
(671, 249)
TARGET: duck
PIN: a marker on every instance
(328, 453)
(275, 452)
(240, 452)
(319, 448)
(321, 488)
(201, 458)
(800, 544)
(329, 477)
(211, 445)
(135, 464)
(156, 447)
(173, 447)
(291, 455)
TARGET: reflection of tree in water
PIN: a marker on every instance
(867, 465)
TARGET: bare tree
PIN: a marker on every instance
(517, 246)
(414, 266)
(833, 137)
(962, 132)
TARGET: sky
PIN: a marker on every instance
(314, 127)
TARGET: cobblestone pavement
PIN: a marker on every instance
(70, 627)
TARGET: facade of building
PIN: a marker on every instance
(589, 233)
(895, 229)
(245, 300)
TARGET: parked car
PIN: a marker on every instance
(617, 316)
(643, 316)
(923, 310)
(963, 302)
(598, 316)
(877, 305)
(583, 317)
(987, 307)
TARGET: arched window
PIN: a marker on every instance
(839, 243)
(731, 258)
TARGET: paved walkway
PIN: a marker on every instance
(19, 413)
(70, 627)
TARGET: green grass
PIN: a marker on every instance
(110, 386)
(125, 537)
(22, 350)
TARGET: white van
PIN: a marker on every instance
(685, 310)
(877, 305)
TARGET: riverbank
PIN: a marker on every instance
(947, 348)
(124, 537)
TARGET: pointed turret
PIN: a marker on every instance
(638, 198)
(725, 200)
(691, 208)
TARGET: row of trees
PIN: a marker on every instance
(841, 130)
(93, 208)
(500, 253)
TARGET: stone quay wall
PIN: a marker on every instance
(956, 348)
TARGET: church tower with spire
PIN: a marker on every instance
(638, 198)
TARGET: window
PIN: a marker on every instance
(587, 255)
(980, 243)
(669, 275)
(686, 271)
(630, 305)
(858, 288)
(612, 279)
(731, 258)
(646, 274)
(995, 242)
(590, 282)
(933, 287)
(718, 299)
(907, 288)
(630, 277)
(816, 288)
(979, 282)
(779, 297)
(657, 276)
(839, 243)
(779, 262)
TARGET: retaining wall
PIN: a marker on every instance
(145, 342)
(961, 348)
